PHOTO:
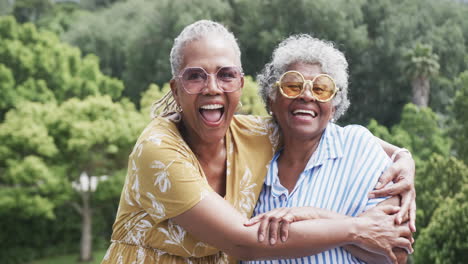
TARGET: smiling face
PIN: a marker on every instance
(206, 116)
(303, 117)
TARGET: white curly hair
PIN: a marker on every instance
(196, 31)
(166, 106)
(306, 49)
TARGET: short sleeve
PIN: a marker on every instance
(166, 180)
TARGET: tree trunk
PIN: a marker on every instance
(421, 91)
(86, 225)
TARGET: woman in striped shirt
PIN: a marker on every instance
(321, 165)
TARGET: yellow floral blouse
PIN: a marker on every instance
(164, 179)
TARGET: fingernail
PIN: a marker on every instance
(283, 238)
(272, 241)
(378, 185)
(371, 196)
(261, 238)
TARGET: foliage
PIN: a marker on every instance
(421, 62)
(441, 177)
(36, 66)
(251, 102)
(30, 10)
(134, 38)
(47, 146)
(418, 130)
(460, 125)
(445, 240)
(151, 95)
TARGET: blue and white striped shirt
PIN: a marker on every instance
(339, 175)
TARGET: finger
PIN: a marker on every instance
(389, 209)
(263, 228)
(405, 244)
(404, 231)
(391, 190)
(284, 231)
(412, 217)
(402, 215)
(273, 229)
(252, 221)
(388, 175)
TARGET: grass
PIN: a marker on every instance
(70, 259)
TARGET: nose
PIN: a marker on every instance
(211, 86)
(307, 93)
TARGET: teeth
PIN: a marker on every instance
(302, 111)
(212, 106)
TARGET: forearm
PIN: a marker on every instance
(226, 231)
(387, 147)
(366, 256)
(374, 258)
(390, 149)
(306, 238)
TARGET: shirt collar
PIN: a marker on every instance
(330, 147)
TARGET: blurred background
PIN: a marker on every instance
(77, 78)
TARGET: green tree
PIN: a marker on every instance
(460, 125)
(418, 130)
(421, 65)
(445, 240)
(441, 177)
(134, 38)
(36, 66)
(251, 102)
(30, 10)
(65, 151)
(151, 95)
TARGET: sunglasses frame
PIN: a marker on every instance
(213, 75)
(305, 82)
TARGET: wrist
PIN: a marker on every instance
(400, 152)
(353, 231)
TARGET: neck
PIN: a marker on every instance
(298, 151)
(203, 149)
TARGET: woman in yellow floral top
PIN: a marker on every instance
(196, 171)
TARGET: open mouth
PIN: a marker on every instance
(212, 113)
(304, 113)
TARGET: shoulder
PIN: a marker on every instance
(249, 122)
(353, 133)
(159, 136)
(257, 130)
(355, 140)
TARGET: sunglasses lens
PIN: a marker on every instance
(229, 78)
(324, 87)
(292, 84)
(194, 79)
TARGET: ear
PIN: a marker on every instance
(174, 90)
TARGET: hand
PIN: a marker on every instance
(380, 235)
(278, 220)
(402, 173)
